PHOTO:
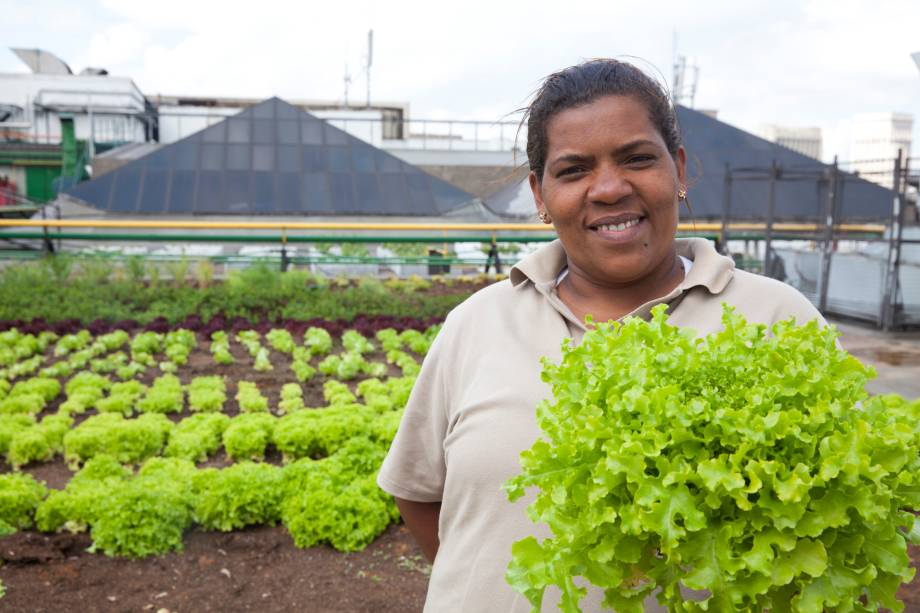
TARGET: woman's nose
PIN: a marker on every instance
(608, 186)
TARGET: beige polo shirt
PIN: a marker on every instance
(472, 410)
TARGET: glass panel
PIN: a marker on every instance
(159, 159)
(363, 159)
(334, 136)
(209, 198)
(387, 163)
(182, 192)
(316, 193)
(216, 133)
(289, 132)
(263, 157)
(342, 190)
(420, 199)
(337, 159)
(313, 158)
(236, 195)
(288, 158)
(394, 197)
(238, 157)
(212, 157)
(238, 130)
(263, 192)
(127, 186)
(263, 131)
(368, 193)
(446, 195)
(153, 198)
(288, 200)
(286, 111)
(311, 132)
(95, 192)
(264, 110)
(186, 156)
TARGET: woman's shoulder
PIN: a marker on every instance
(753, 292)
(498, 295)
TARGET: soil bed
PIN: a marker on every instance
(258, 569)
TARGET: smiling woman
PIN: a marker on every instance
(608, 171)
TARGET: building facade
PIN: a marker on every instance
(875, 141)
(804, 140)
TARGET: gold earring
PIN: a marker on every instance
(544, 217)
(681, 194)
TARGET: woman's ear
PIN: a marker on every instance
(537, 193)
(681, 161)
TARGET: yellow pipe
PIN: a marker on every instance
(286, 226)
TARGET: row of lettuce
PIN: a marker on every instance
(332, 500)
(50, 355)
(299, 432)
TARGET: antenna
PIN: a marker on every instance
(686, 77)
(370, 60)
(681, 89)
(347, 83)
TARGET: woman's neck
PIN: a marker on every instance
(605, 301)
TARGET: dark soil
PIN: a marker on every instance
(251, 570)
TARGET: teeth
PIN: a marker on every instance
(619, 227)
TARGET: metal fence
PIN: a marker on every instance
(873, 277)
(380, 131)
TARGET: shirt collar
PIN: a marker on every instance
(710, 269)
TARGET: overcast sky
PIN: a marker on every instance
(807, 62)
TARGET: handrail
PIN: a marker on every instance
(385, 227)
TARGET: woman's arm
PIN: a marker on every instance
(422, 520)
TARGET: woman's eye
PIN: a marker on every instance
(571, 170)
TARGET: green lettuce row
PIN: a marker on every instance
(751, 466)
(332, 501)
(301, 433)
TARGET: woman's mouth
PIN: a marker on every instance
(618, 229)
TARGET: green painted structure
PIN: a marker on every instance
(47, 168)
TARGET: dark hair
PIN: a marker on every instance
(586, 82)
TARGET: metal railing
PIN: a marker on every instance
(434, 134)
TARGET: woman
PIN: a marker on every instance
(607, 169)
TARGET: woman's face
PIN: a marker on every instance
(610, 187)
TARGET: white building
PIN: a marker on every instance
(105, 108)
(804, 140)
(875, 139)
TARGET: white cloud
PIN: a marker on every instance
(115, 48)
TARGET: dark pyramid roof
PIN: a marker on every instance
(270, 159)
(711, 144)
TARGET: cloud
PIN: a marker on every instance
(116, 48)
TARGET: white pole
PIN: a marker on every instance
(370, 60)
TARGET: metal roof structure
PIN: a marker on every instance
(801, 192)
(271, 159)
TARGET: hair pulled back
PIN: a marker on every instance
(586, 82)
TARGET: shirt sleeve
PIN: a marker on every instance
(414, 468)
